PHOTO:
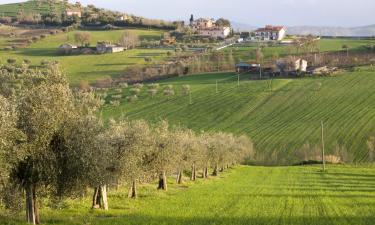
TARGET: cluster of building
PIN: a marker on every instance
(71, 12)
(101, 48)
(209, 28)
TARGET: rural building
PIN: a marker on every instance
(105, 47)
(68, 46)
(215, 32)
(202, 23)
(122, 18)
(168, 41)
(247, 67)
(271, 33)
(73, 12)
(292, 65)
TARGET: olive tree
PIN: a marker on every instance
(130, 143)
(164, 152)
(187, 153)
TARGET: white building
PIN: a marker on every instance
(215, 32)
(104, 47)
(271, 33)
(73, 12)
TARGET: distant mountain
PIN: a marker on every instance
(332, 31)
(242, 26)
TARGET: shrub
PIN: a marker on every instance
(135, 91)
(115, 103)
(35, 38)
(118, 90)
(132, 98)
(148, 59)
(152, 92)
(123, 85)
(27, 61)
(8, 48)
(138, 85)
(153, 86)
(168, 92)
(43, 36)
(116, 97)
(11, 61)
(44, 62)
(185, 89)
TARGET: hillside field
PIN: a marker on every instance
(245, 195)
(88, 67)
(280, 115)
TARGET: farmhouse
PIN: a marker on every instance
(105, 47)
(271, 33)
(73, 12)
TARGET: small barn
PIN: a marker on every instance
(104, 47)
(68, 46)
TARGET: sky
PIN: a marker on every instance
(345, 13)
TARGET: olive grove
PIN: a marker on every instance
(54, 145)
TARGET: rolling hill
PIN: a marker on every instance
(280, 121)
(33, 6)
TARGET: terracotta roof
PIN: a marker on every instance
(270, 28)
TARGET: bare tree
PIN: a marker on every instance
(129, 40)
(82, 38)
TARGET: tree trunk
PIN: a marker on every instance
(162, 181)
(133, 190)
(100, 199)
(104, 198)
(179, 177)
(96, 199)
(30, 208)
(205, 172)
(193, 173)
(36, 212)
(215, 172)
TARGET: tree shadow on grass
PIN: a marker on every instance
(246, 220)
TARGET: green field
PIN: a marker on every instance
(280, 121)
(245, 52)
(89, 67)
(244, 195)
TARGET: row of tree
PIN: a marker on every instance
(52, 144)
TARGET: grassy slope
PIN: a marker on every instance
(28, 7)
(246, 195)
(281, 120)
(89, 67)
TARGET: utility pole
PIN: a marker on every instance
(323, 153)
(238, 80)
(260, 71)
